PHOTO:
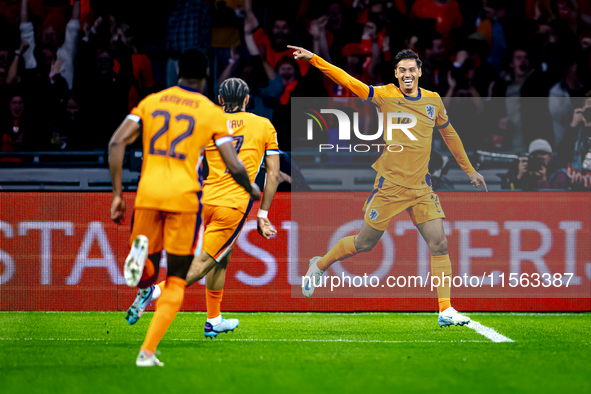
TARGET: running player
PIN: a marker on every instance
(177, 125)
(226, 205)
(403, 181)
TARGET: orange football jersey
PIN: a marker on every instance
(254, 136)
(177, 123)
(408, 167)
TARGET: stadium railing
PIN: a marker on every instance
(64, 171)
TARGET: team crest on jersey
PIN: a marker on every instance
(430, 110)
(373, 214)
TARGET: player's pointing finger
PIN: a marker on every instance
(484, 183)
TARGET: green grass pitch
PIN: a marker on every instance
(94, 352)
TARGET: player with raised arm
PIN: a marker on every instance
(403, 181)
(226, 205)
(177, 125)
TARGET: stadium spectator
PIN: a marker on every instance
(446, 13)
(435, 64)
(463, 62)
(567, 13)
(274, 47)
(19, 131)
(53, 38)
(46, 90)
(4, 65)
(492, 26)
(320, 35)
(365, 56)
(523, 119)
(265, 85)
(189, 26)
(485, 75)
(67, 134)
(226, 25)
(104, 92)
(317, 30)
(464, 103)
(12, 75)
(337, 30)
(289, 72)
(538, 170)
(142, 67)
(575, 148)
(9, 75)
(574, 83)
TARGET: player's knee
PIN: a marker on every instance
(198, 270)
(365, 245)
(438, 248)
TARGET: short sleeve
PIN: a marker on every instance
(138, 113)
(271, 146)
(221, 129)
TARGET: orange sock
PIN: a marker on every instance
(441, 265)
(168, 306)
(345, 248)
(213, 299)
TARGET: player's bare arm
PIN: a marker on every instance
(263, 224)
(237, 170)
(125, 135)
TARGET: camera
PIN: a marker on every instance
(534, 164)
(587, 114)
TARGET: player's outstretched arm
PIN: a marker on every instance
(476, 179)
(237, 170)
(263, 224)
(339, 76)
(125, 135)
(453, 142)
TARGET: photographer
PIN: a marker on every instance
(538, 170)
(575, 148)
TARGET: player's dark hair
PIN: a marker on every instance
(233, 92)
(407, 54)
(193, 64)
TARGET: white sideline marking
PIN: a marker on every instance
(241, 340)
(488, 332)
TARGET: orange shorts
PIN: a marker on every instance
(222, 227)
(389, 199)
(177, 232)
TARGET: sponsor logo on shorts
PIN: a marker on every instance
(373, 214)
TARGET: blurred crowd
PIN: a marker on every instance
(70, 70)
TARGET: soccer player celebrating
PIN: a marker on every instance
(403, 181)
(226, 205)
(178, 124)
